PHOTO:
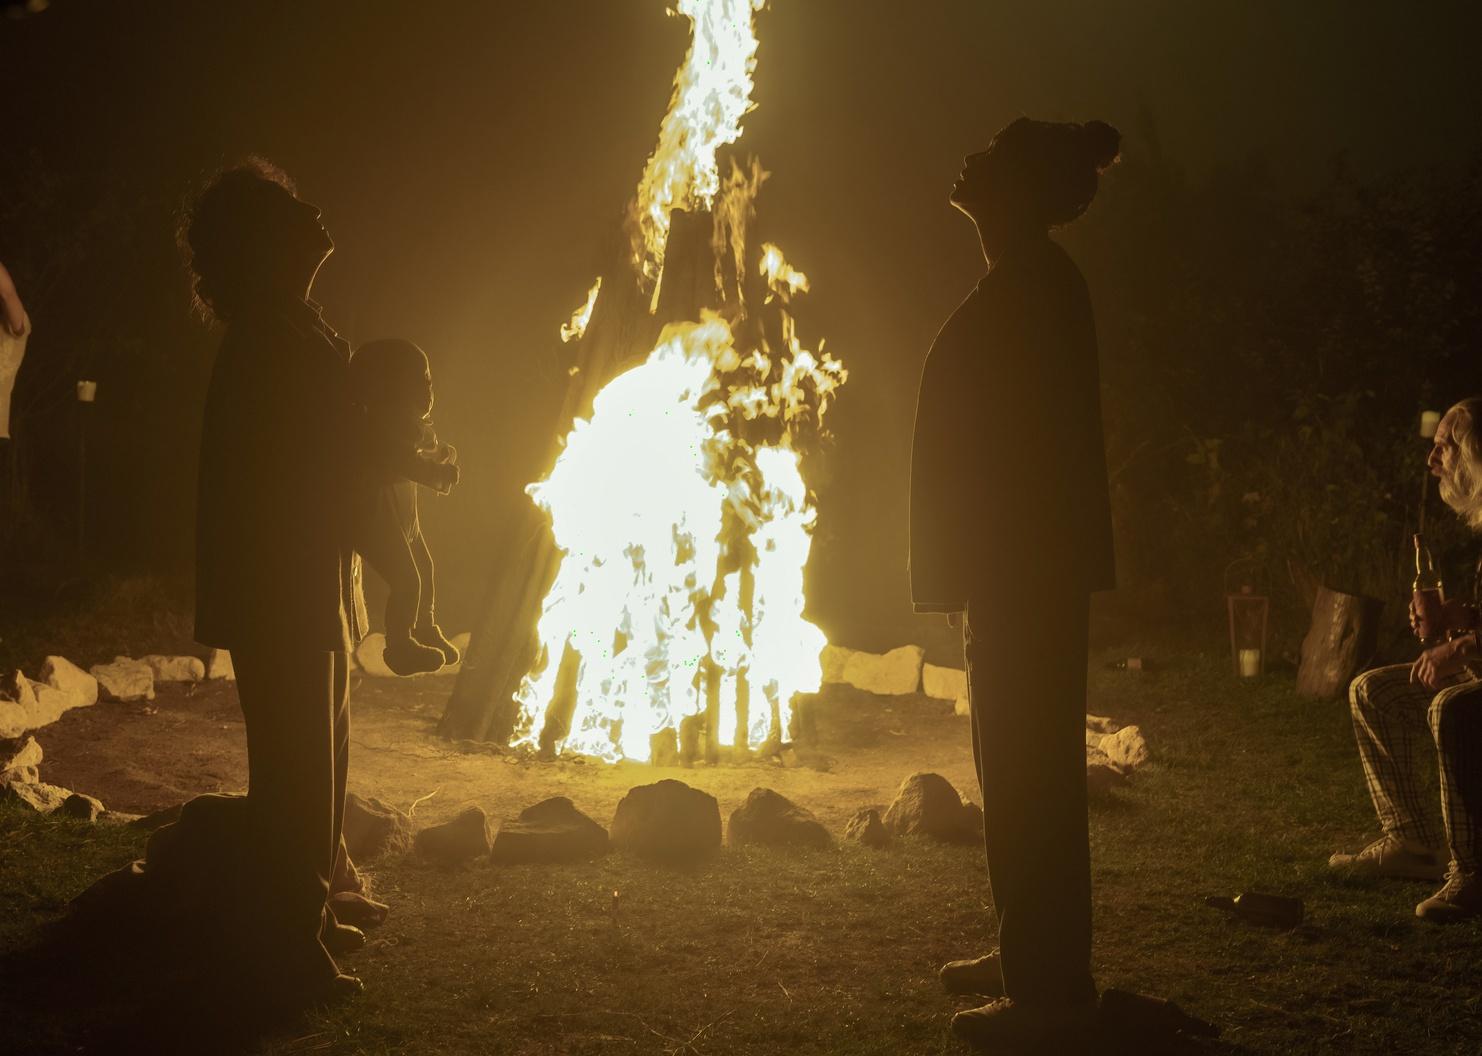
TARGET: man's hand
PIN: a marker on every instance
(1439, 664)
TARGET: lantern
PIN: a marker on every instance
(1248, 615)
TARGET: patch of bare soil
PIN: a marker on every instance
(140, 757)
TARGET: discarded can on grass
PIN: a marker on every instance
(1272, 911)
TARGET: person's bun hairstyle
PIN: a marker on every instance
(1055, 164)
(1103, 144)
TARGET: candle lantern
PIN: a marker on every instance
(1248, 613)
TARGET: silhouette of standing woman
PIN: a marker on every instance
(273, 558)
(1011, 531)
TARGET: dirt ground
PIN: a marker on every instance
(141, 757)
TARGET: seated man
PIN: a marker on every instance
(1394, 708)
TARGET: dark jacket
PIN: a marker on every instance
(1008, 464)
(273, 553)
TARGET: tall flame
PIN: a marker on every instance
(712, 93)
(679, 506)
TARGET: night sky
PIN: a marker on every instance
(471, 160)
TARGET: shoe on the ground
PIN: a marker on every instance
(342, 938)
(407, 657)
(1392, 856)
(431, 634)
(1004, 1022)
(979, 975)
(1459, 898)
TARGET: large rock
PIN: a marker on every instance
(667, 819)
(460, 642)
(124, 679)
(551, 831)
(18, 753)
(176, 668)
(27, 705)
(867, 828)
(833, 659)
(928, 805)
(61, 673)
(943, 683)
(48, 704)
(37, 795)
(373, 827)
(773, 820)
(17, 702)
(370, 655)
(1101, 724)
(13, 719)
(1127, 748)
(463, 838)
(219, 665)
(894, 674)
(81, 807)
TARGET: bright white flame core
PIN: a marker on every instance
(639, 500)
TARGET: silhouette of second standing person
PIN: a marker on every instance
(1010, 534)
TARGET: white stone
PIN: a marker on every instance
(943, 683)
(37, 795)
(125, 679)
(176, 668)
(17, 706)
(13, 719)
(460, 642)
(1127, 748)
(219, 665)
(369, 655)
(896, 673)
(61, 673)
(1101, 724)
(834, 658)
(20, 752)
(962, 707)
(48, 704)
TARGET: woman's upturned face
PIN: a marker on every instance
(973, 190)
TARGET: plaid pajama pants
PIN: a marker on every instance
(1392, 718)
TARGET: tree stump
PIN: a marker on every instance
(1341, 641)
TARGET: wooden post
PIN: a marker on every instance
(1341, 641)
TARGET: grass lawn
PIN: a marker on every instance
(835, 953)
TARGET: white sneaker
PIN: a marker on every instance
(1459, 898)
(1394, 857)
(980, 975)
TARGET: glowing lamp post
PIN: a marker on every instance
(1248, 613)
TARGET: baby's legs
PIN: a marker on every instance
(426, 576)
(385, 548)
(427, 631)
